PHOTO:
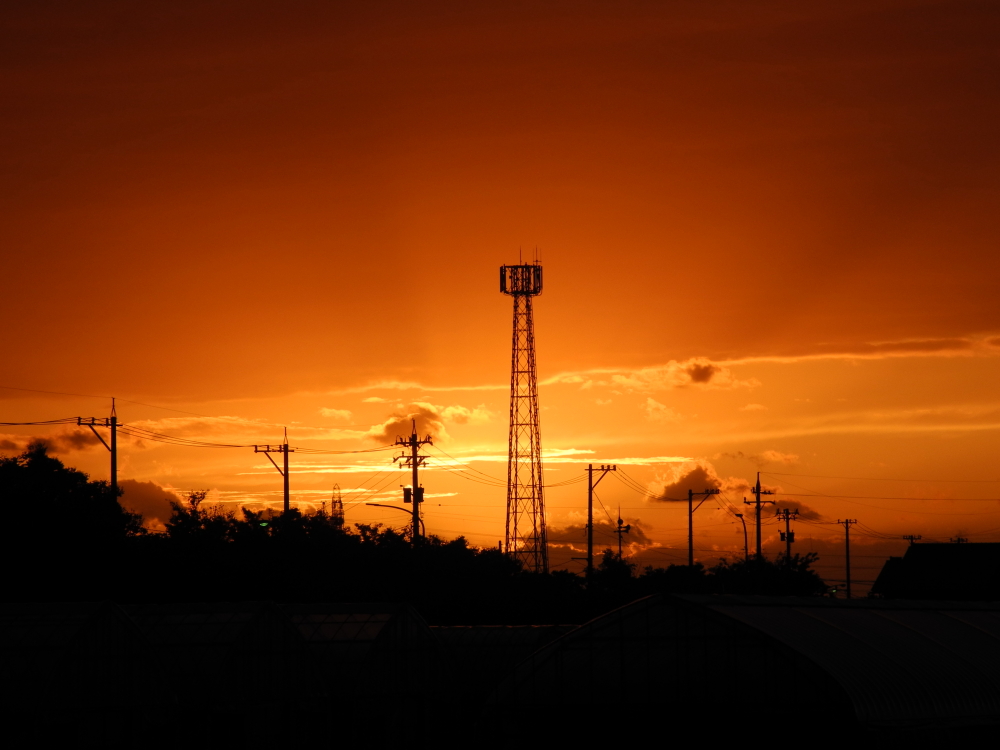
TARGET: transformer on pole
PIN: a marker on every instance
(525, 535)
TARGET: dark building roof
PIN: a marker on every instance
(370, 650)
(965, 572)
(236, 652)
(879, 663)
(490, 652)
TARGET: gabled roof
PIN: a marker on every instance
(895, 663)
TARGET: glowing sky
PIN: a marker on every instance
(292, 215)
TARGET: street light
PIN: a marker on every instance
(423, 529)
(746, 551)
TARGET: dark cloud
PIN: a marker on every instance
(75, 440)
(605, 533)
(429, 421)
(60, 442)
(702, 373)
(9, 445)
(148, 498)
(696, 477)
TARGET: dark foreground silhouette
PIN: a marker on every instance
(256, 630)
(70, 540)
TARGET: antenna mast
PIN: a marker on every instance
(337, 507)
(525, 534)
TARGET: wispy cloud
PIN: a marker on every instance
(951, 347)
(411, 385)
(972, 418)
(238, 430)
(657, 412)
(343, 414)
(697, 372)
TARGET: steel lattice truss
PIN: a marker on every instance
(525, 535)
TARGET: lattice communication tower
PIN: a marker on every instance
(337, 507)
(525, 536)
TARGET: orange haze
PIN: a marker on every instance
(292, 214)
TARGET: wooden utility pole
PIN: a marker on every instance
(787, 536)
(413, 460)
(704, 495)
(757, 491)
(623, 528)
(111, 422)
(847, 523)
(591, 484)
(285, 450)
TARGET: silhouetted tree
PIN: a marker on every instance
(786, 576)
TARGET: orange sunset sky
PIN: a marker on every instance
(769, 233)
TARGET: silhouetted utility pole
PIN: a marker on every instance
(847, 523)
(912, 539)
(704, 495)
(622, 529)
(284, 450)
(591, 484)
(746, 544)
(413, 460)
(757, 491)
(787, 536)
(958, 539)
(111, 422)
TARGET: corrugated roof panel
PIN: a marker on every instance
(896, 664)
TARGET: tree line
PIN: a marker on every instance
(69, 538)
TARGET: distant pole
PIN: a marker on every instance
(757, 491)
(287, 503)
(283, 448)
(114, 450)
(415, 463)
(847, 523)
(789, 535)
(691, 528)
(590, 521)
(413, 460)
(704, 495)
(623, 528)
(111, 444)
(591, 485)
(912, 539)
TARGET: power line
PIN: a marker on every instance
(878, 479)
